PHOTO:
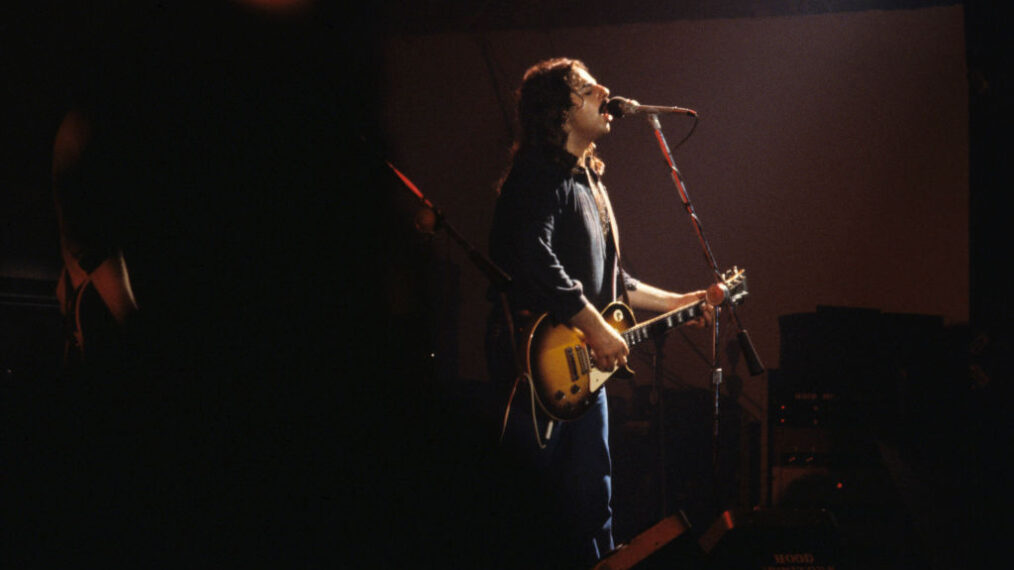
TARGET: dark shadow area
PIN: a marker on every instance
(891, 423)
(278, 400)
(235, 418)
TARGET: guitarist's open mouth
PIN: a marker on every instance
(604, 110)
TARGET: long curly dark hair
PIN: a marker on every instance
(544, 99)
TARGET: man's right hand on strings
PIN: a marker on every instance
(608, 348)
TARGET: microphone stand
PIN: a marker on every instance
(660, 422)
(752, 358)
(497, 277)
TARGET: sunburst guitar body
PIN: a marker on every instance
(565, 379)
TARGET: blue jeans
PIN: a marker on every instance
(573, 474)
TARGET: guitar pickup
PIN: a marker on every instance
(571, 364)
(582, 356)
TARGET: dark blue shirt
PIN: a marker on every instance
(548, 236)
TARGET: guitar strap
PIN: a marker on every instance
(602, 198)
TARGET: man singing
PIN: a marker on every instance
(553, 232)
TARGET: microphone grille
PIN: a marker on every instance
(615, 106)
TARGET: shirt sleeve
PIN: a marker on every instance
(539, 213)
(628, 282)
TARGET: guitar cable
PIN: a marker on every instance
(507, 411)
(535, 421)
(539, 440)
(521, 373)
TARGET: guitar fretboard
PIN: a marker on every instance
(735, 282)
(662, 323)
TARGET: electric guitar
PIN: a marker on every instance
(556, 357)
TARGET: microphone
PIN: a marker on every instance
(621, 107)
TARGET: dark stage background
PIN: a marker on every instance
(305, 384)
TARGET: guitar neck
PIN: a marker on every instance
(735, 291)
(662, 323)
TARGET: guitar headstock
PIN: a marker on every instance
(735, 280)
(732, 289)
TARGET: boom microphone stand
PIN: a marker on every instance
(497, 277)
(717, 296)
(431, 219)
